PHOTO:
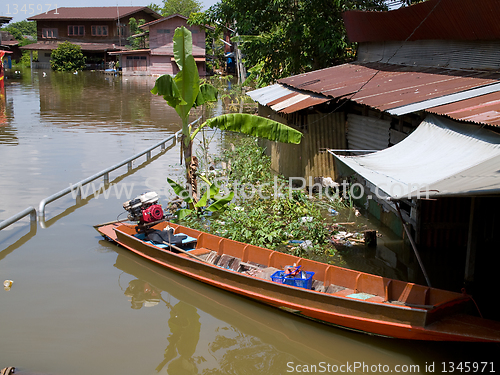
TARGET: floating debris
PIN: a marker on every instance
(7, 284)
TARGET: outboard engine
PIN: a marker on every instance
(144, 208)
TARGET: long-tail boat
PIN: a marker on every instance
(336, 296)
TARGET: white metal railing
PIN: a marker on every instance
(11, 220)
(105, 173)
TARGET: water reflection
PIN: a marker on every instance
(90, 101)
(67, 127)
(7, 133)
(246, 337)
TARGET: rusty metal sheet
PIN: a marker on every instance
(286, 100)
(309, 102)
(386, 86)
(432, 19)
(482, 109)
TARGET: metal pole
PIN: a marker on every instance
(413, 245)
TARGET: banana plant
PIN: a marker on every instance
(210, 201)
(184, 91)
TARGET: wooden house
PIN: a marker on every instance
(97, 30)
(158, 59)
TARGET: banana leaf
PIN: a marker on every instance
(256, 126)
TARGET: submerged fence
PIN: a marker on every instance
(77, 186)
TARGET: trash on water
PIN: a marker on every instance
(306, 244)
(333, 212)
(7, 284)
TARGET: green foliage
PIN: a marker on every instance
(136, 42)
(185, 91)
(182, 7)
(270, 222)
(67, 57)
(282, 38)
(214, 47)
(211, 200)
(25, 58)
(155, 8)
(256, 126)
(18, 29)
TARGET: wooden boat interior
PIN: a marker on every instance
(337, 281)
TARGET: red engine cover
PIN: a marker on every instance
(152, 213)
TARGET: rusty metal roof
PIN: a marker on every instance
(387, 87)
(93, 13)
(482, 109)
(286, 100)
(446, 20)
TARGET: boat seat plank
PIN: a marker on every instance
(318, 286)
(262, 273)
(343, 292)
(334, 289)
(200, 251)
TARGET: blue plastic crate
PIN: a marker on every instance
(279, 277)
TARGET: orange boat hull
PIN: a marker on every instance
(436, 318)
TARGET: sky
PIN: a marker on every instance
(19, 9)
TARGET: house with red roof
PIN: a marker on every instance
(158, 59)
(97, 30)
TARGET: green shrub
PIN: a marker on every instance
(67, 57)
(270, 222)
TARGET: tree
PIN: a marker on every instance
(184, 91)
(281, 38)
(134, 41)
(182, 7)
(67, 57)
(21, 28)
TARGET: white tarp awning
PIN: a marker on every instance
(441, 156)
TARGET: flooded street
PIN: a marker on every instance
(80, 305)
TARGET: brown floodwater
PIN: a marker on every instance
(80, 305)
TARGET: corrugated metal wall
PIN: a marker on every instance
(449, 54)
(367, 133)
(308, 159)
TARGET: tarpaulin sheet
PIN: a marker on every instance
(440, 158)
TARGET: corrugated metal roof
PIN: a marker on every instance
(95, 13)
(441, 157)
(446, 20)
(386, 86)
(286, 100)
(482, 109)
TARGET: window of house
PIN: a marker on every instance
(76, 30)
(163, 31)
(122, 30)
(99, 30)
(49, 33)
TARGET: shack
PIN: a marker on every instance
(426, 76)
